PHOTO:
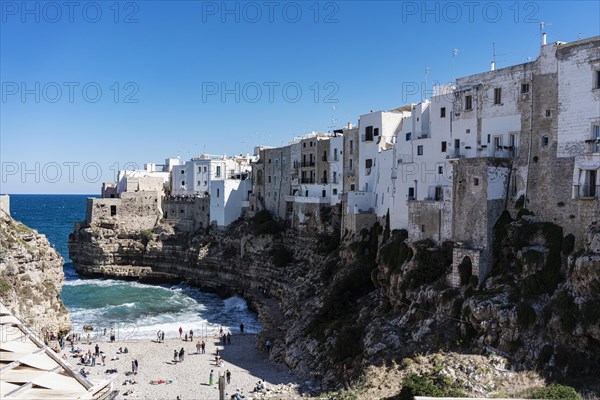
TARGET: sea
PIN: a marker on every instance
(132, 309)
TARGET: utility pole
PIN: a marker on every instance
(454, 53)
(426, 83)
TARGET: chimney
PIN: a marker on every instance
(493, 66)
(544, 39)
(349, 125)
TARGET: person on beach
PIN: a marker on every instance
(180, 332)
(112, 335)
(210, 377)
(221, 331)
(186, 337)
(203, 346)
(175, 354)
(191, 335)
(137, 366)
(228, 376)
(181, 354)
(97, 348)
(133, 366)
(158, 336)
(89, 339)
(93, 361)
(104, 334)
(162, 336)
(242, 328)
(228, 337)
(198, 345)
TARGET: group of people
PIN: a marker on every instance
(160, 336)
(178, 356)
(191, 336)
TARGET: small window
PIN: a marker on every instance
(351, 147)
(218, 170)
(411, 193)
(368, 133)
(113, 211)
(324, 193)
(269, 178)
(548, 113)
(182, 171)
(488, 138)
(524, 87)
(218, 192)
(498, 96)
(198, 183)
(350, 163)
(334, 191)
(440, 170)
(596, 132)
(352, 187)
(306, 193)
(376, 132)
(420, 150)
(443, 112)
(468, 102)
(444, 146)
(269, 161)
(597, 83)
(205, 169)
(199, 169)
(476, 181)
(408, 136)
(545, 141)
(368, 163)
(304, 144)
(468, 131)
(182, 183)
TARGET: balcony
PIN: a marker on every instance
(307, 180)
(324, 181)
(587, 191)
(593, 145)
(308, 164)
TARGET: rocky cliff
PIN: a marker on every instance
(31, 277)
(341, 312)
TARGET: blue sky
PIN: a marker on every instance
(87, 89)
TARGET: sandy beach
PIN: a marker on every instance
(190, 378)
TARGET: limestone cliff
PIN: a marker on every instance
(31, 277)
(338, 311)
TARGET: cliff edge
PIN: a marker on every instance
(31, 277)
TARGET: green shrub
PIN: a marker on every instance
(555, 392)
(4, 286)
(568, 244)
(282, 256)
(264, 224)
(526, 315)
(418, 385)
(145, 236)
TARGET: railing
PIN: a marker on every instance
(334, 180)
(594, 146)
(307, 180)
(588, 191)
(324, 180)
(306, 164)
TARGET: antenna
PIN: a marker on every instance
(454, 53)
(424, 96)
(494, 54)
(542, 33)
(332, 126)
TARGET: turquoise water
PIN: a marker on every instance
(133, 309)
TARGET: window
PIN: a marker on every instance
(596, 132)
(351, 147)
(218, 192)
(182, 171)
(269, 179)
(218, 170)
(444, 146)
(205, 169)
(440, 170)
(476, 181)
(352, 187)
(468, 102)
(497, 142)
(408, 136)
(597, 83)
(350, 163)
(368, 133)
(182, 183)
(548, 113)
(113, 211)
(498, 96)
(269, 161)
(524, 87)
(488, 138)
(324, 193)
(545, 141)
(420, 150)
(443, 112)
(368, 163)
(411, 193)
(468, 131)
(199, 169)
(304, 144)
(376, 132)
(311, 144)
(306, 193)
(198, 183)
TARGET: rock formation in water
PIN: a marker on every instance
(31, 277)
(341, 311)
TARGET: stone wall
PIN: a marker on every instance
(136, 211)
(430, 219)
(187, 214)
